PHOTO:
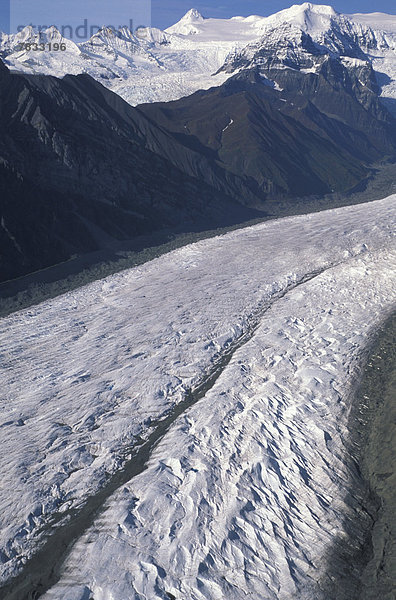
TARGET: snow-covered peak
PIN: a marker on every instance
(320, 9)
(188, 24)
(26, 34)
(53, 32)
(11, 43)
(118, 45)
(300, 36)
(192, 15)
(107, 36)
(310, 18)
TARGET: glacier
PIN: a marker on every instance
(245, 492)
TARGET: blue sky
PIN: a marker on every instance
(164, 12)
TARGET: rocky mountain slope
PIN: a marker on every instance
(77, 173)
(297, 112)
(313, 135)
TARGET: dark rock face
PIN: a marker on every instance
(77, 172)
(81, 169)
(4, 71)
(292, 133)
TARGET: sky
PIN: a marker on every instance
(163, 13)
(169, 12)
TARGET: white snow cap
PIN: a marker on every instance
(312, 18)
(323, 9)
(192, 15)
(187, 24)
(302, 11)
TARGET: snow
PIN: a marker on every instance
(377, 20)
(189, 24)
(352, 62)
(86, 373)
(384, 65)
(153, 65)
(244, 494)
(227, 126)
(312, 18)
(218, 30)
(146, 66)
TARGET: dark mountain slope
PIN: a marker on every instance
(81, 169)
(295, 134)
(77, 173)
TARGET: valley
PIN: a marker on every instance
(197, 292)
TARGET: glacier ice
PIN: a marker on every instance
(252, 475)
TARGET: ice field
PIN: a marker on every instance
(245, 491)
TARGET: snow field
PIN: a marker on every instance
(250, 487)
(86, 373)
(159, 66)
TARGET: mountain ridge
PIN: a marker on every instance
(297, 113)
(77, 172)
(154, 65)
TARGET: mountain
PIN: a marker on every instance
(78, 172)
(328, 31)
(300, 113)
(151, 65)
(189, 24)
(295, 112)
(142, 66)
(291, 143)
(301, 36)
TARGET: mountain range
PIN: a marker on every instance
(301, 103)
(78, 172)
(151, 65)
